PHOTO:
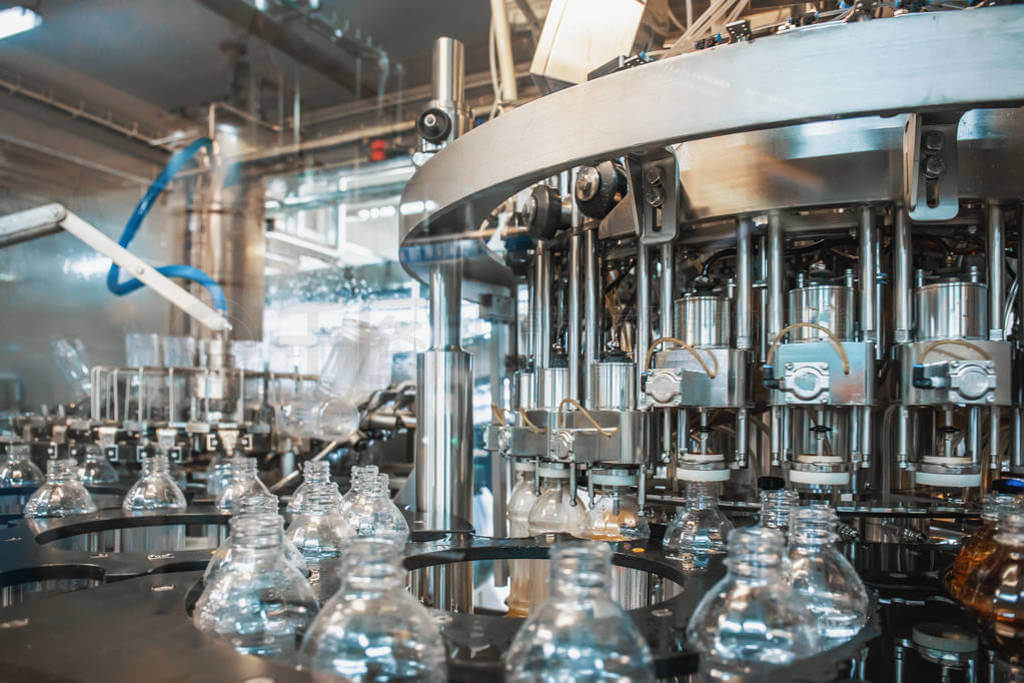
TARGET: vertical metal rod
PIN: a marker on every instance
(542, 307)
(297, 111)
(996, 271)
(445, 285)
(498, 348)
(775, 275)
(1017, 459)
(762, 251)
(682, 431)
(902, 274)
(643, 315)
(868, 268)
(503, 43)
(866, 436)
(743, 284)
(776, 436)
(591, 324)
(448, 71)
(903, 437)
(993, 439)
(742, 434)
(974, 434)
(881, 344)
(787, 433)
(575, 244)
(667, 262)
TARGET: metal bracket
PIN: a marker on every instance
(931, 183)
(495, 308)
(48, 219)
(653, 185)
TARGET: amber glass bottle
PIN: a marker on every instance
(1007, 495)
(995, 589)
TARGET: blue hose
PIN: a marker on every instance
(135, 221)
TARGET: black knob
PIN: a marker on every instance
(543, 214)
(434, 125)
(599, 188)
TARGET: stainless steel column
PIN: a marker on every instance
(445, 305)
(667, 259)
(868, 269)
(573, 350)
(744, 341)
(591, 312)
(902, 274)
(541, 313)
(774, 294)
(643, 315)
(996, 271)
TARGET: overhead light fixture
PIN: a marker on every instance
(17, 20)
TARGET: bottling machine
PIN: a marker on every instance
(739, 262)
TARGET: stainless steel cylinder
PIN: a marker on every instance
(951, 310)
(527, 391)
(703, 320)
(445, 305)
(613, 384)
(552, 387)
(449, 72)
(831, 306)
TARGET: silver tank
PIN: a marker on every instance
(703, 320)
(951, 310)
(831, 306)
(552, 387)
(614, 386)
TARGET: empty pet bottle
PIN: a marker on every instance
(822, 578)
(259, 603)
(314, 472)
(245, 481)
(62, 494)
(218, 474)
(700, 527)
(374, 514)
(362, 477)
(96, 469)
(257, 504)
(372, 629)
(777, 503)
(18, 469)
(319, 532)
(578, 633)
(557, 510)
(154, 489)
(752, 621)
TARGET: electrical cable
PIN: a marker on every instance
(187, 272)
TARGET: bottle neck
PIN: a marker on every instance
(814, 527)
(756, 554)
(156, 465)
(319, 501)
(243, 468)
(256, 533)
(581, 570)
(701, 495)
(60, 470)
(317, 471)
(372, 565)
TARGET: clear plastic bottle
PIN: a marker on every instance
(257, 504)
(579, 633)
(95, 468)
(1007, 495)
(777, 503)
(218, 474)
(557, 510)
(822, 578)
(372, 629)
(18, 469)
(615, 513)
(701, 527)
(154, 489)
(374, 513)
(751, 621)
(519, 504)
(245, 481)
(62, 495)
(994, 590)
(362, 477)
(259, 603)
(314, 472)
(320, 534)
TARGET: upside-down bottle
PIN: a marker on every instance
(578, 633)
(374, 513)
(314, 473)
(520, 502)
(62, 494)
(777, 503)
(615, 513)
(319, 532)
(245, 481)
(96, 469)
(701, 527)
(1007, 495)
(822, 578)
(372, 629)
(752, 621)
(260, 602)
(256, 504)
(994, 590)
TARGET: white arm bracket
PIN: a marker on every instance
(51, 218)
